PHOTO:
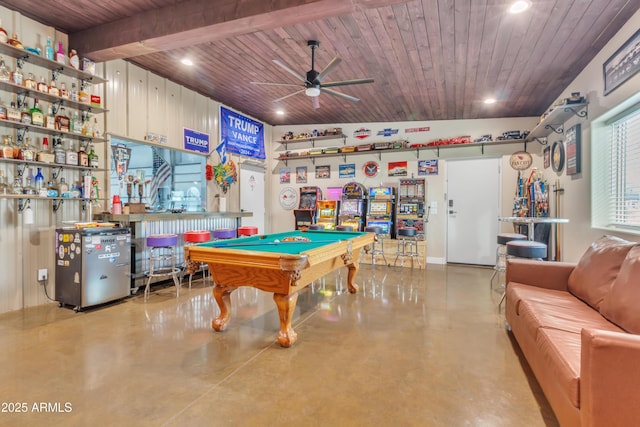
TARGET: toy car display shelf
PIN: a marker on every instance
(554, 121)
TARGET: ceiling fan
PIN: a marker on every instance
(312, 81)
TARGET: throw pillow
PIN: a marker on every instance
(596, 271)
(621, 304)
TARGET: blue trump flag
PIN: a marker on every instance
(241, 135)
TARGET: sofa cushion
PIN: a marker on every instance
(596, 271)
(559, 353)
(621, 303)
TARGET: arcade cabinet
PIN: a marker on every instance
(328, 209)
(305, 215)
(381, 209)
(410, 209)
(353, 206)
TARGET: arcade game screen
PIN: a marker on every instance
(378, 208)
(350, 207)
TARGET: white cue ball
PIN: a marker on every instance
(276, 241)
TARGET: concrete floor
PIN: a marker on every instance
(411, 348)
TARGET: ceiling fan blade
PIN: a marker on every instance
(340, 95)
(287, 96)
(347, 82)
(315, 101)
(289, 70)
(275, 84)
(335, 61)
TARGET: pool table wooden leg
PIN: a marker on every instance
(222, 295)
(286, 306)
(352, 264)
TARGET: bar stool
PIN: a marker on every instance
(501, 255)
(224, 233)
(316, 227)
(407, 245)
(161, 251)
(193, 237)
(378, 244)
(247, 230)
(344, 228)
(524, 249)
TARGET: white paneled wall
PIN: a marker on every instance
(173, 103)
(156, 102)
(116, 95)
(137, 102)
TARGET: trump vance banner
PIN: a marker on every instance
(241, 135)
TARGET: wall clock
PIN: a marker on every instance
(288, 198)
(371, 169)
(557, 156)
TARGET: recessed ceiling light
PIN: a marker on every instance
(519, 6)
(490, 101)
(280, 112)
(187, 61)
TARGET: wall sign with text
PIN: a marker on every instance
(241, 135)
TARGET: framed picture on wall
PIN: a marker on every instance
(622, 65)
(572, 149)
(301, 174)
(546, 154)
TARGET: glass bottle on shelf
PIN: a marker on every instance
(83, 157)
(27, 151)
(50, 120)
(45, 154)
(30, 81)
(37, 118)
(4, 186)
(60, 56)
(74, 59)
(7, 147)
(16, 188)
(73, 94)
(48, 50)
(17, 77)
(96, 131)
(28, 187)
(63, 188)
(13, 113)
(4, 36)
(53, 89)
(5, 74)
(59, 155)
(52, 189)
(64, 93)
(76, 123)
(15, 41)
(62, 120)
(71, 155)
(39, 180)
(25, 116)
(3, 110)
(93, 158)
(42, 85)
(86, 124)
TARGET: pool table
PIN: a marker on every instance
(273, 264)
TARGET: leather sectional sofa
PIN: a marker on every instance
(578, 326)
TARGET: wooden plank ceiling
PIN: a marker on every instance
(430, 59)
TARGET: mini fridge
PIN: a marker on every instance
(93, 265)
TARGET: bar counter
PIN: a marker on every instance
(143, 225)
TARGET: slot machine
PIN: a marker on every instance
(410, 209)
(380, 211)
(305, 215)
(353, 206)
(328, 208)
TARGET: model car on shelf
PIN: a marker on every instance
(363, 147)
(380, 145)
(348, 149)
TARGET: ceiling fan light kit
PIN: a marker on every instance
(312, 80)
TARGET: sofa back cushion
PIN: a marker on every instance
(596, 271)
(622, 304)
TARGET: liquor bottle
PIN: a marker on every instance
(53, 89)
(37, 118)
(13, 113)
(76, 123)
(3, 110)
(42, 86)
(4, 186)
(50, 120)
(64, 93)
(96, 131)
(62, 120)
(93, 158)
(48, 50)
(28, 187)
(15, 42)
(4, 36)
(74, 59)
(71, 155)
(60, 56)
(39, 181)
(63, 188)
(5, 74)
(27, 151)
(60, 157)
(83, 157)
(17, 78)
(16, 188)
(7, 147)
(73, 95)
(30, 81)
(45, 155)
(86, 124)
(25, 116)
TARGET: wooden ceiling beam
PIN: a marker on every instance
(194, 22)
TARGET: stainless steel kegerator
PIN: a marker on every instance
(93, 265)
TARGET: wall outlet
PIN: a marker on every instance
(43, 274)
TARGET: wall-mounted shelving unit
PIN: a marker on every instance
(313, 140)
(554, 121)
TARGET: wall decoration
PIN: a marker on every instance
(520, 160)
(288, 198)
(547, 157)
(371, 169)
(285, 175)
(420, 129)
(241, 135)
(347, 170)
(388, 132)
(427, 167)
(623, 64)
(572, 149)
(323, 172)
(301, 174)
(195, 141)
(557, 156)
(225, 174)
(362, 133)
(397, 168)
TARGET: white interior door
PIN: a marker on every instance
(252, 195)
(473, 208)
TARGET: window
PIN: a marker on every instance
(616, 166)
